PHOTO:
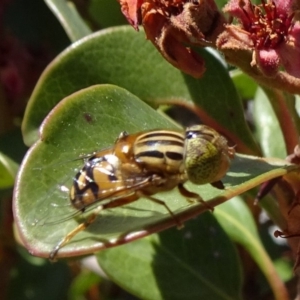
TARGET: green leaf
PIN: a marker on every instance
(119, 56)
(82, 123)
(237, 221)
(284, 268)
(10, 159)
(197, 262)
(267, 127)
(125, 58)
(245, 85)
(8, 171)
(82, 283)
(69, 18)
(86, 121)
(221, 3)
(106, 13)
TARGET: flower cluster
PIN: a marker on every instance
(270, 30)
(175, 25)
(265, 37)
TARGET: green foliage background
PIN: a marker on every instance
(98, 79)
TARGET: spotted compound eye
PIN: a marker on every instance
(207, 154)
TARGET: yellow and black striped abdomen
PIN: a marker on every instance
(161, 150)
(99, 179)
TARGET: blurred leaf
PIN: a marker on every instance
(6, 122)
(284, 268)
(69, 18)
(12, 151)
(106, 13)
(82, 123)
(34, 24)
(5, 194)
(297, 105)
(197, 262)
(8, 171)
(37, 281)
(237, 220)
(244, 84)
(123, 57)
(82, 283)
(11, 145)
(267, 127)
(221, 3)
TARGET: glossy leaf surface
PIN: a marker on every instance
(197, 262)
(101, 58)
(81, 124)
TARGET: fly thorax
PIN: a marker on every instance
(207, 155)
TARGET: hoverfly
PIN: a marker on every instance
(145, 163)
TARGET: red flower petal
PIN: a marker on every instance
(130, 9)
(268, 61)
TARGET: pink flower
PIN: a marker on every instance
(270, 30)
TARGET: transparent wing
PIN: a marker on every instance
(55, 205)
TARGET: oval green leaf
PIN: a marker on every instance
(197, 262)
(125, 58)
(82, 123)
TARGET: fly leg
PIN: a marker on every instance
(192, 197)
(160, 202)
(75, 231)
(90, 220)
(218, 185)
